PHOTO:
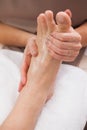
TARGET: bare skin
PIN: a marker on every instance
(46, 26)
(40, 77)
(63, 46)
(13, 37)
(83, 32)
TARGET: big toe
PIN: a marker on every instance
(64, 21)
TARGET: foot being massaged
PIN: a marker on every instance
(54, 96)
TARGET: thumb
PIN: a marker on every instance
(24, 70)
(30, 50)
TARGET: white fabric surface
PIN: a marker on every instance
(67, 109)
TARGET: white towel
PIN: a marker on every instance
(67, 109)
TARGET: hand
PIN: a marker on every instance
(30, 50)
(64, 46)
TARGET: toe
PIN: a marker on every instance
(50, 21)
(64, 21)
(42, 24)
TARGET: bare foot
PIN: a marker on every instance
(43, 68)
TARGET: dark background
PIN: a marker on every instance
(85, 127)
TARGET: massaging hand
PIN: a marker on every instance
(30, 50)
(62, 46)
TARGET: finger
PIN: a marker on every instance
(57, 50)
(26, 64)
(33, 49)
(62, 58)
(25, 67)
(61, 52)
(63, 45)
(67, 37)
(20, 86)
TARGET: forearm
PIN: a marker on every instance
(82, 30)
(13, 36)
(26, 110)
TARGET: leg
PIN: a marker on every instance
(67, 109)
